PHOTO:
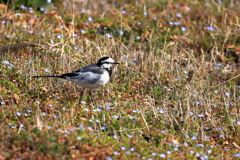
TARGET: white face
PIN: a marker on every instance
(108, 63)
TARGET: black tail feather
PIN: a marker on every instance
(47, 76)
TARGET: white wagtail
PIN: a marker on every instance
(91, 76)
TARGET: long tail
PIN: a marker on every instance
(47, 76)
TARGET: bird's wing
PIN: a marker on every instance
(91, 68)
(83, 77)
(91, 77)
(87, 75)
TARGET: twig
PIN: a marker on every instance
(19, 45)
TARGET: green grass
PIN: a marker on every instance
(175, 95)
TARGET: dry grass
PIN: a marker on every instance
(175, 95)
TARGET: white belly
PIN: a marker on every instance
(91, 80)
(104, 79)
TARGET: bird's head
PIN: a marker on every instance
(106, 62)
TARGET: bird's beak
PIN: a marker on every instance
(116, 63)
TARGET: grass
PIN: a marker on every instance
(175, 95)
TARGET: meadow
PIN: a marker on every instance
(175, 95)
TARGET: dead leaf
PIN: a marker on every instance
(234, 111)
(16, 97)
(2, 7)
(44, 89)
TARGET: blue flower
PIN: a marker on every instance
(154, 154)
(83, 31)
(184, 29)
(138, 37)
(115, 116)
(161, 111)
(194, 138)
(191, 151)
(197, 155)
(47, 70)
(136, 111)
(121, 32)
(201, 115)
(162, 155)
(123, 148)
(199, 145)
(90, 19)
(129, 135)
(227, 94)
(116, 137)
(103, 128)
(179, 15)
(209, 151)
(210, 28)
(108, 35)
(237, 155)
(115, 153)
(177, 23)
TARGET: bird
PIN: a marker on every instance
(92, 76)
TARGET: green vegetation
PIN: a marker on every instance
(176, 94)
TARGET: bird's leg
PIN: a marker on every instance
(90, 95)
(81, 94)
(91, 98)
